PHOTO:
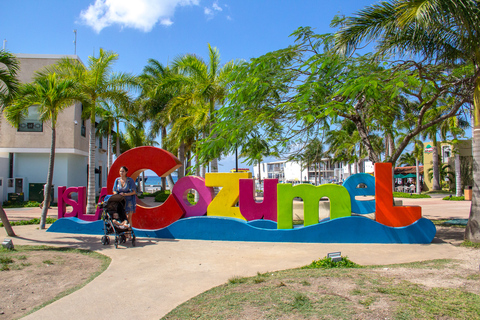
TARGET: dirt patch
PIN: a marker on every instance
(35, 277)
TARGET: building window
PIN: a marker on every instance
(446, 153)
(83, 129)
(31, 123)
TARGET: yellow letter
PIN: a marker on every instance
(223, 203)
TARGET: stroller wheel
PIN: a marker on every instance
(133, 240)
(104, 240)
(108, 239)
(123, 239)
(116, 242)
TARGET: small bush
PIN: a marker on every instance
(327, 263)
(161, 196)
(409, 195)
(469, 244)
(451, 198)
(33, 221)
(237, 280)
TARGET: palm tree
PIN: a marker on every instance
(136, 136)
(407, 158)
(444, 31)
(112, 114)
(204, 82)
(8, 77)
(189, 123)
(154, 99)
(8, 88)
(313, 154)
(52, 95)
(418, 154)
(455, 126)
(256, 149)
(97, 83)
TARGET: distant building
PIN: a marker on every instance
(446, 156)
(24, 152)
(297, 172)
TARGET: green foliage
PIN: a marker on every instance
(23, 204)
(32, 221)
(469, 244)
(161, 196)
(466, 171)
(237, 280)
(327, 263)
(453, 198)
(409, 195)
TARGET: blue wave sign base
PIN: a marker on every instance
(355, 229)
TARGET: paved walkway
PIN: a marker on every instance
(157, 275)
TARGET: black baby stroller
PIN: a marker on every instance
(111, 205)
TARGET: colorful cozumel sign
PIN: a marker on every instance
(219, 218)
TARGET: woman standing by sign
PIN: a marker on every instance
(126, 187)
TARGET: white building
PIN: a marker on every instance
(297, 172)
(25, 152)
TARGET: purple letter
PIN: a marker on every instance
(253, 210)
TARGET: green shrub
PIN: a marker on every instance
(161, 196)
(327, 263)
(409, 195)
(33, 221)
(451, 198)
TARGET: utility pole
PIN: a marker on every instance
(4, 44)
(75, 41)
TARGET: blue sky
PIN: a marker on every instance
(163, 29)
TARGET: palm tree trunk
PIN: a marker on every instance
(143, 182)
(164, 181)
(48, 185)
(181, 157)
(472, 231)
(417, 172)
(170, 182)
(458, 177)
(260, 176)
(436, 173)
(109, 152)
(6, 223)
(203, 169)
(91, 168)
(117, 153)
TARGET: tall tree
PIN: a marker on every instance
(111, 114)
(136, 136)
(455, 127)
(98, 83)
(445, 31)
(256, 149)
(50, 95)
(204, 82)
(155, 96)
(8, 88)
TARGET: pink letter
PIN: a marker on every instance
(205, 195)
(252, 210)
(64, 198)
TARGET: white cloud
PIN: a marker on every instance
(139, 14)
(216, 7)
(211, 12)
(208, 12)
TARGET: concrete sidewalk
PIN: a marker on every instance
(158, 275)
